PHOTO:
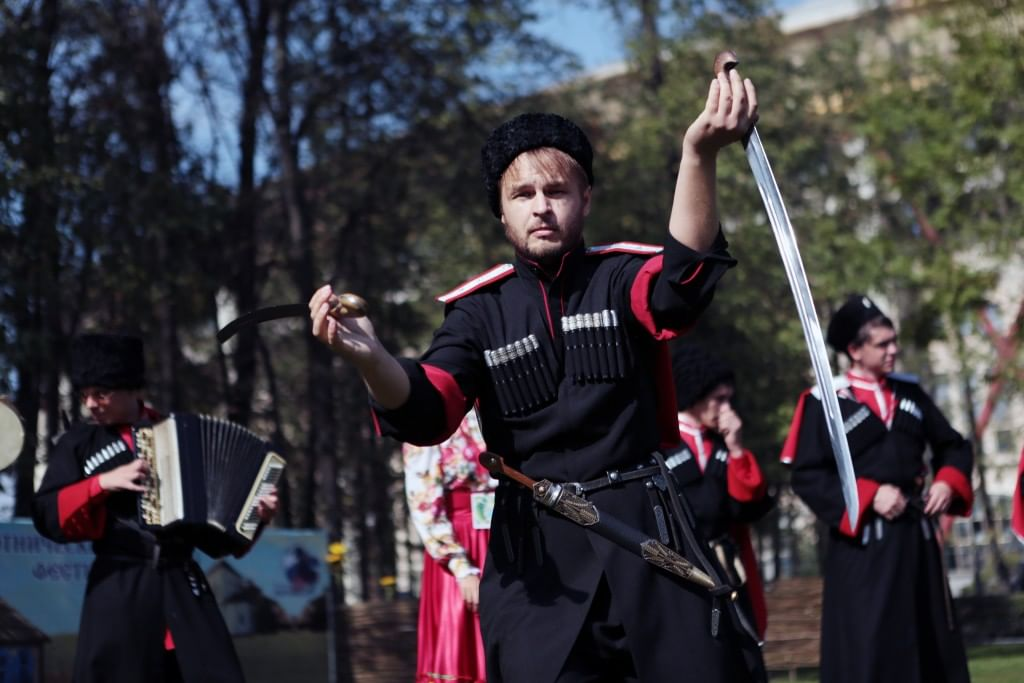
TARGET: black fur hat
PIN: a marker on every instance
(526, 132)
(108, 361)
(851, 316)
(696, 373)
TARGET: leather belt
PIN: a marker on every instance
(614, 478)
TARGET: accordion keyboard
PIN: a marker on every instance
(149, 503)
(270, 473)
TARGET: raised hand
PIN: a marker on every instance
(730, 426)
(729, 113)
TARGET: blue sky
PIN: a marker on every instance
(592, 33)
(586, 28)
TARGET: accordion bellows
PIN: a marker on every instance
(206, 478)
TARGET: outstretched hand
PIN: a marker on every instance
(353, 338)
(729, 114)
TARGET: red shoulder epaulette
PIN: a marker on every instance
(638, 248)
(485, 278)
(839, 383)
(793, 437)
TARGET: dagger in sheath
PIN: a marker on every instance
(786, 241)
(583, 512)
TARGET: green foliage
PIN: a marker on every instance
(355, 159)
(942, 141)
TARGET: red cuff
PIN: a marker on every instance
(961, 486)
(168, 640)
(744, 478)
(866, 490)
(454, 400)
(640, 298)
(80, 510)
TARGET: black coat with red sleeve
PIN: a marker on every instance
(572, 378)
(132, 596)
(887, 615)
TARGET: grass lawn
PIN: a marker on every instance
(996, 663)
(291, 656)
(988, 664)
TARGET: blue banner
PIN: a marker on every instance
(276, 601)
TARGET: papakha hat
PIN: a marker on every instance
(696, 373)
(109, 361)
(526, 132)
(851, 316)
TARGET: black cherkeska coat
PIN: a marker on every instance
(131, 599)
(887, 615)
(572, 379)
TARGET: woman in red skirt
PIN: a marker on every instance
(450, 499)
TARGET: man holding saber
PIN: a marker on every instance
(564, 353)
(887, 615)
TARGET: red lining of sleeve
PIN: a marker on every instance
(80, 510)
(866, 490)
(376, 423)
(744, 478)
(755, 584)
(454, 400)
(793, 437)
(640, 299)
(667, 416)
(961, 486)
(696, 272)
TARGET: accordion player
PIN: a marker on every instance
(206, 478)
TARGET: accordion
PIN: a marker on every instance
(206, 478)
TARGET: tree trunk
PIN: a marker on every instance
(38, 328)
(240, 228)
(1002, 572)
(323, 438)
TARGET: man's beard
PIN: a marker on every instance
(549, 254)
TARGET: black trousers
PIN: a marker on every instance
(172, 670)
(600, 653)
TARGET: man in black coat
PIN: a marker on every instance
(148, 614)
(564, 351)
(887, 615)
(720, 478)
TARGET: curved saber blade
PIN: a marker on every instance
(786, 240)
(261, 315)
